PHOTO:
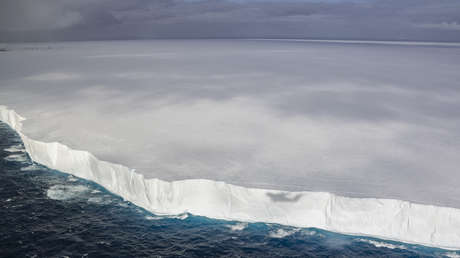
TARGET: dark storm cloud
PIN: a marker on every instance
(434, 20)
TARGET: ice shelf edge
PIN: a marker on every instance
(383, 218)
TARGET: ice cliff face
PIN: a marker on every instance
(385, 218)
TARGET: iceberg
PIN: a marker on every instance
(384, 218)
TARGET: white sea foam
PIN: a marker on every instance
(280, 233)
(238, 226)
(452, 255)
(382, 244)
(123, 204)
(99, 200)
(15, 148)
(71, 178)
(154, 217)
(309, 232)
(180, 216)
(66, 192)
(30, 168)
(16, 157)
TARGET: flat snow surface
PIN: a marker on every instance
(360, 120)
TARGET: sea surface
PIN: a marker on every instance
(46, 213)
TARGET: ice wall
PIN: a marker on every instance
(385, 218)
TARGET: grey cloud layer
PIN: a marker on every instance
(431, 20)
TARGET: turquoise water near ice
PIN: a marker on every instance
(46, 213)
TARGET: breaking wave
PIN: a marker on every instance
(65, 192)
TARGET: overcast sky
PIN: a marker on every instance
(37, 20)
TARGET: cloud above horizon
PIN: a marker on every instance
(430, 20)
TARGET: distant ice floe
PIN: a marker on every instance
(280, 233)
(65, 192)
(382, 244)
(16, 157)
(238, 226)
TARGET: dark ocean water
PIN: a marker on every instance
(46, 213)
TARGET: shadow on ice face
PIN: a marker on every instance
(284, 197)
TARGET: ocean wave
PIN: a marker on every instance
(281, 233)
(15, 148)
(16, 157)
(66, 192)
(382, 244)
(238, 226)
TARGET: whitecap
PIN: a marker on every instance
(309, 232)
(103, 243)
(237, 226)
(123, 204)
(452, 255)
(280, 233)
(65, 192)
(180, 216)
(153, 218)
(382, 244)
(72, 178)
(16, 157)
(30, 168)
(15, 148)
(98, 200)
